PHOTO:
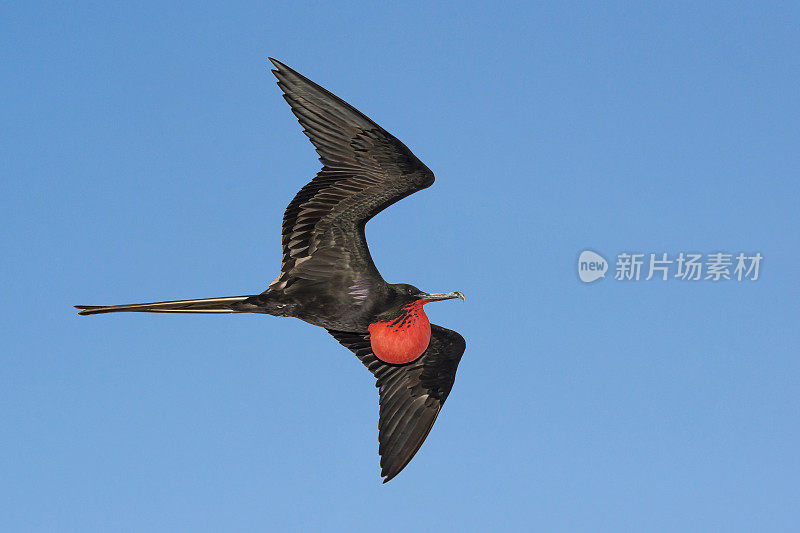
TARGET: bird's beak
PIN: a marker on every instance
(433, 297)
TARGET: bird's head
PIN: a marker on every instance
(407, 294)
(406, 299)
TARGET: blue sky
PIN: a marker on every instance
(147, 154)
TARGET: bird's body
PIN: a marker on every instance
(328, 278)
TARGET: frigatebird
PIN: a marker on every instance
(327, 276)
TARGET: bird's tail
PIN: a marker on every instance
(206, 305)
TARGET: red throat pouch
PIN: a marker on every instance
(403, 339)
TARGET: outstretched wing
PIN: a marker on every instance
(365, 169)
(411, 395)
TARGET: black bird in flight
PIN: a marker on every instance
(328, 278)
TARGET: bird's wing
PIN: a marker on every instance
(411, 395)
(365, 169)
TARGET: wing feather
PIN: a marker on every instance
(365, 169)
(411, 395)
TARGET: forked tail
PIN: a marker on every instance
(206, 305)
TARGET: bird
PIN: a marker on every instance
(328, 278)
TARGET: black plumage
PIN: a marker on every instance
(328, 278)
(411, 395)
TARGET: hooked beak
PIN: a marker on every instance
(433, 297)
